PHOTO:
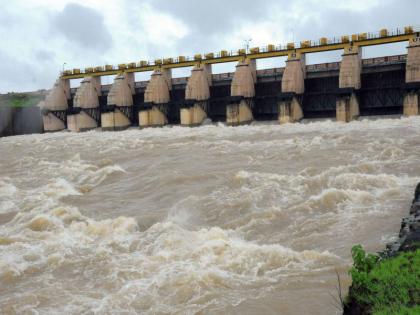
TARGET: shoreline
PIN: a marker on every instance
(408, 242)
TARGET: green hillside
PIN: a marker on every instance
(21, 99)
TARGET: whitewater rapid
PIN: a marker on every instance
(210, 220)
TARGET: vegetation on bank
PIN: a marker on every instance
(384, 286)
(21, 99)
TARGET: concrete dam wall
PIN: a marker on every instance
(19, 113)
(382, 81)
(20, 121)
(344, 90)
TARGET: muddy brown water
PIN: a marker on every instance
(209, 220)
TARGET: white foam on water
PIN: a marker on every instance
(274, 203)
(7, 196)
(167, 266)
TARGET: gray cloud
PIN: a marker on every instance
(40, 39)
(83, 26)
(209, 21)
(217, 15)
(388, 14)
(21, 75)
(44, 55)
(7, 18)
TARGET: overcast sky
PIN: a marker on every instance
(39, 36)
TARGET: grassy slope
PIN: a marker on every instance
(21, 99)
(388, 286)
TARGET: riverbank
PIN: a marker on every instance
(389, 283)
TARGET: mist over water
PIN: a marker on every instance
(209, 220)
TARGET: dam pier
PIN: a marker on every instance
(342, 90)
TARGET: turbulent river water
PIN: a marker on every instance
(209, 220)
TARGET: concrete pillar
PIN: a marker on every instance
(197, 94)
(347, 107)
(411, 103)
(157, 96)
(242, 92)
(119, 111)
(239, 112)
(55, 106)
(347, 104)
(412, 78)
(85, 112)
(289, 109)
(292, 87)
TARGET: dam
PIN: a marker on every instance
(342, 90)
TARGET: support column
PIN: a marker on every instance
(412, 78)
(347, 104)
(85, 113)
(239, 111)
(197, 94)
(55, 106)
(156, 99)
(292, 88)
(119, 111)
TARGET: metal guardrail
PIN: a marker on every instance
(385, 60)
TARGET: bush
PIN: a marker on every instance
(390, 286)
(400, 311)
(20, 99)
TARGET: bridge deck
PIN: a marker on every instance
(369, 39)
